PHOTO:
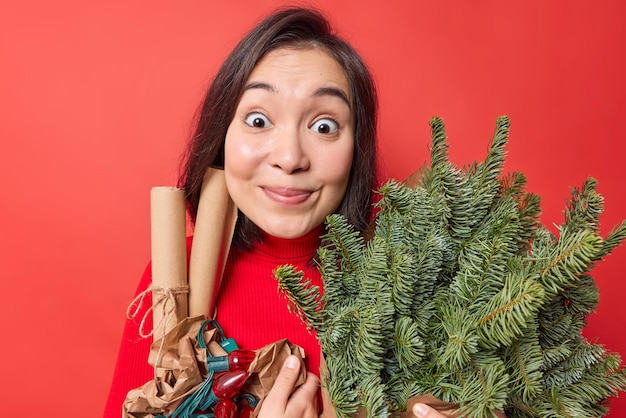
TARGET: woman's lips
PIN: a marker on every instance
(287, 196)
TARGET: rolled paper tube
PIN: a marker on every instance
(213, 232)
(169, 258)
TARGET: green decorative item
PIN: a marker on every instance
(462, 293)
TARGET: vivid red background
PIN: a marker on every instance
(96, 100)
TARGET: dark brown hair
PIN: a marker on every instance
(294, 28)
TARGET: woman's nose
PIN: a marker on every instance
(288, 152)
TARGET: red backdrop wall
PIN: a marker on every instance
(96, 100)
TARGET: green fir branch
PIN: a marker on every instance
(584, 208)
(524, 363)
(304, 298)
(613, 239)
(486, 175)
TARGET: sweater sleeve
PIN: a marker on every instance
(131, 369)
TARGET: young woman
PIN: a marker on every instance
(291, 116)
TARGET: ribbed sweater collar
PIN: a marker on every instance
(290, 248)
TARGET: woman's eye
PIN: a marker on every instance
(257, 120)
(325, 126)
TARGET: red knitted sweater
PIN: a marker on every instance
(249, 309)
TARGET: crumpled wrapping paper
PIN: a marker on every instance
(180, 368)
(266, 367)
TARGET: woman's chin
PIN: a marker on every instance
(288, 230)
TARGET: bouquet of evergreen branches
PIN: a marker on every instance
(462, 293)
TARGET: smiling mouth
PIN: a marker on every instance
(287, 196)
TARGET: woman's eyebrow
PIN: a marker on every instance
(332, 91)
(260, 85)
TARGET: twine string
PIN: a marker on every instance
(166, 297)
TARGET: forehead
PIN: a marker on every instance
(311, 65)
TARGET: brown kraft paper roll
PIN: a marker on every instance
(169, 258)
(213, 232)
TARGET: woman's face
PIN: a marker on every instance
(288, 150)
